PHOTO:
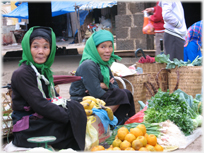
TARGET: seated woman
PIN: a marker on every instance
(37, 111)
(98, 80)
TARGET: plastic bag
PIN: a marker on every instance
(148, 27)
(137, 118)
(91, 138)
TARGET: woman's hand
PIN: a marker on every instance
(112, 80)
(103, 86)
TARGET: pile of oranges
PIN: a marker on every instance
(135, 139)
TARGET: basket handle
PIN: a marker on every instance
(177, 83)
(157, 76)
(168, 70)
(153, 88)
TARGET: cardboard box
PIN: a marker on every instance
(102, 136)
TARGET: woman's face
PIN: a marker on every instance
(105, 50)
(40, 50)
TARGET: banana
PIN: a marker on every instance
(85, 105)
(91, 105)
(102, 102)
(86, 101)
(90, 98)
(109, 112)
(88, 112)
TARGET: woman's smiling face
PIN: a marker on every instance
(40, 50)
(105, 50)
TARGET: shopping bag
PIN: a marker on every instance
(148, 27)
(91, 138)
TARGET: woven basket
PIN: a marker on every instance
(139, 89)
(7, 125)
(188, 78)
(152, 69)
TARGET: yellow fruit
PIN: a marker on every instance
(143, 140)
(146, 135)
(88, 112)
(150, 148)
(97, 148)
(136, 131)
(130, 137)
(124, 128)
(125, 144)
(90, 98)
(143, 149)
(116, 143)
(142, 128)
(121, 135)
(136, 144)
(129, 149)
(158, 147)
(152, 139)
(85, 105)
(116, 148)
(86, 101)
(109, 112)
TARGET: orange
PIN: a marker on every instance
(97, 148)
(130, 149)
(130, 137)
(143, 149)
(136, 144)
(121, 134)
(143, 140)
(116, 148)
(123, 128)
(158, 147)
(142, 128)
(146, 135)
(150, 148)
(125, 144)
(152, 139)
(136, 131)
(116, 143)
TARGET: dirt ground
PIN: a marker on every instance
(64, 65)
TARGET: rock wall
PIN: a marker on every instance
(129, 23)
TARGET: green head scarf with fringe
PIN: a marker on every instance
(90, 52)
(27, 56)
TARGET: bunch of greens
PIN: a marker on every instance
(162, 58)
(174, 107)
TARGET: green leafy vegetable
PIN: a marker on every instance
(178, 107)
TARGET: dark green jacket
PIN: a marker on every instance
(92, 77)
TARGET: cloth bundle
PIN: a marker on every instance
(148, 59)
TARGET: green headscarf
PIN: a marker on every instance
(90, 52)
(27, 56)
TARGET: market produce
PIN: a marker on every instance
(162, 58)
(174, 107)
(125, 140)
(90, 102)
(88, 112)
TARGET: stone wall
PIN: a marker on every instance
(129, 23)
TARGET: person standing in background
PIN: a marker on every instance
(193, 41)
(158, 23)
(175, 28)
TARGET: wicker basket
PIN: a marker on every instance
(137, 82)
(152, 69)
(7, 125)
(186, 78)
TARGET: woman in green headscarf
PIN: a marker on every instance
(37, 108)
(98, 80)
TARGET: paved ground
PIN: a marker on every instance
(64, 65)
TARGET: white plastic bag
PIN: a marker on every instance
(121, 70)
(91, 138)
